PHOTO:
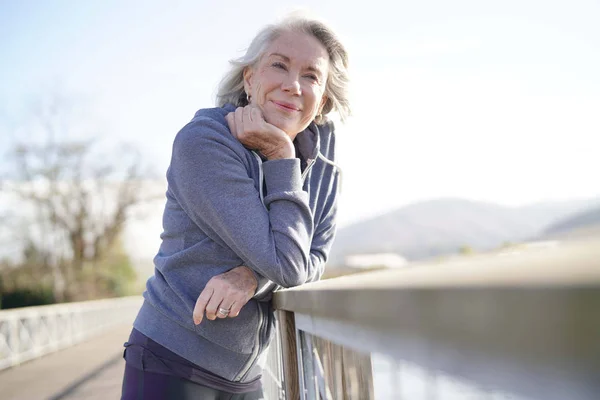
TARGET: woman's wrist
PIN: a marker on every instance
(282, 152)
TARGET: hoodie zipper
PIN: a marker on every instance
(257, 347)
(260, 178)
(309, 164)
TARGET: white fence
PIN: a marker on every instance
(30, 332)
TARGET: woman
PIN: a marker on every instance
(251, 206)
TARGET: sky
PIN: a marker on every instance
(495, 101)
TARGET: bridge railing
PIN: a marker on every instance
(518, 324)
(30, 332)
(523, 324)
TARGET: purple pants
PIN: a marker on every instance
(144, 385)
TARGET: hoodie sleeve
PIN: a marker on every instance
(319, 248)
(209, 179)
(325, 228)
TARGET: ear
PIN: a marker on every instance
(248, 72)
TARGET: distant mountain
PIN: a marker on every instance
(587, 220)
(443, 226)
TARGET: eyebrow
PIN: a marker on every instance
(311, 68)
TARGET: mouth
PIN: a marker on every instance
(286, 106)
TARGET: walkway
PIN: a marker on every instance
(90, 370)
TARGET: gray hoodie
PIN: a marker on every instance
(225, 208)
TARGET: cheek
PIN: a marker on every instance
(267, 81)
(312, 100)
(257, 92)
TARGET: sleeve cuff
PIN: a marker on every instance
(261, 286)
(283, 175)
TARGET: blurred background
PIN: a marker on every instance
(475, 129)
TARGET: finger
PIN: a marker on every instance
(225, 305)
(256, 114)
(213, 304)
(231, 123)
(248, 113)
(201, 303)
(236, 308)
(239, 121)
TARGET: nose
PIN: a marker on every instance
(291, 84)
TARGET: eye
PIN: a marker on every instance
(312, 77)
(279, 65)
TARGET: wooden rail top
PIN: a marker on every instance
(540, 264)
(533, 311)
(552, 268)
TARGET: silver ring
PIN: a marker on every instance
(223, 311)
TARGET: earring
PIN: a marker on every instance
(248, 98)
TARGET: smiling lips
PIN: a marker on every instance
(286, 106)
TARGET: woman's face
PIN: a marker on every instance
(288, 82)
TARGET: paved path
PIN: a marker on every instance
(89, 370)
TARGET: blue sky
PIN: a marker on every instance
(495, 101)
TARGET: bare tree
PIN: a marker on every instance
(76, 200)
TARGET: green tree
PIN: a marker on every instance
(76, 203)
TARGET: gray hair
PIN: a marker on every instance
(231, 89)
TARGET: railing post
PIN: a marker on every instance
(35, 326)
(13, 340)
(308, 365)
(287, 329)
(52, 330)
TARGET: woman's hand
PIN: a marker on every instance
(250, 128)
(228, 291)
